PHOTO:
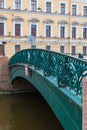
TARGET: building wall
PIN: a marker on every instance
(25, 16)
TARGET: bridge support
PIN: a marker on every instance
(4, 74)
(84, 121)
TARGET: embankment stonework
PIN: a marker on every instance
(4, 74)
(84, 104)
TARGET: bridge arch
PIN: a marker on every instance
(54, 96)
(58, 77)
(21, 84)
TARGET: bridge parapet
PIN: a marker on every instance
(67, 70)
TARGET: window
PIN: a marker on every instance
(74, 10)
(33, 29)
(73, 32)
(84, 50)
(17, 29)
(48, 31)
(85, 10)
(17, 48)
(1, 28)
(62, 49)
(62, 8)
(62, 31)
(48, 7)
(2, 50)
(48, 47)
(17, 25)
(84, 32)
(1, 4)
(33, 46)
(73, 50)
(18, 4)
(33, 5)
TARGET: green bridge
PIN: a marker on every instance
(57, 77)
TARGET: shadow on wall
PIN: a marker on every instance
(22, 85)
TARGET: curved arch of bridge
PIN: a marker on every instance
(67, 111)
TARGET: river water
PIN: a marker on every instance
(26, 112)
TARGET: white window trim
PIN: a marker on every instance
(4, 21)
(17, 22)
(65, 7)
(50, 24)
(76, 31)
(4, 3)
(76, 8)
(83, 8)
(51, 4)
(36, 5)
(65, 30)
(82, 29)
(14, 4)
(35, 23)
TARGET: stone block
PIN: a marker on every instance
(84, 109)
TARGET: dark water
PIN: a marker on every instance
(26, 112)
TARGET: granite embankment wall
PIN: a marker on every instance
(18, 85)
(4, 74)
(84, 104)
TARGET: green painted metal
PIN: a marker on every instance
(67, 70)
(58, 78)
(66, 106)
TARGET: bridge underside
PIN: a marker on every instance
(20, 84)
(66, 106)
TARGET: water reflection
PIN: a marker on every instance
(26, 112)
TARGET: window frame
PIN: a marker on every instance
(36, 5)
(51, 5)
(4, 22)
(65, 7)
(48, 9)
(65, 34)
(20, 5)
(76, 30)
(84, 53)
(83, 33)
(73, 53)
(17, 22)
(85, 10)
(34, 23)
(15, 47)
(48, 24)
(61, 49)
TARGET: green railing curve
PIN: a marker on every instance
(67, 70)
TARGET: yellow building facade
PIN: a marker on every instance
(58, 25)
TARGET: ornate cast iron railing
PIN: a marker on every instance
(67, 70)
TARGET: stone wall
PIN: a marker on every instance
(4, 74)
(84, 109)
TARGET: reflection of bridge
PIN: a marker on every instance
(58, 78)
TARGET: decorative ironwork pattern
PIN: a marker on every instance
(67, 70)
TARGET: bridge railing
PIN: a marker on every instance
(67, 70)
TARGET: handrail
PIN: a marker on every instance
(67, 70)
